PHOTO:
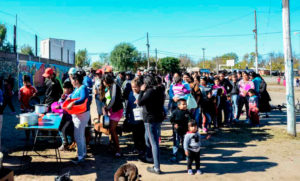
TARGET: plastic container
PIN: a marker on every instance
(76, 109)
(53, 108)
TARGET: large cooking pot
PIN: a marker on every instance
(30, 118)
(41, 108)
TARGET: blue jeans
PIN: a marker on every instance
(197, 115)
(152, 142)
(177, 141)
(235, 106)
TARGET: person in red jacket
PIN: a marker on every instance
(25, 94)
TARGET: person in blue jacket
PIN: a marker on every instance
(80, 120)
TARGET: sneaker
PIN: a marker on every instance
(247, 121)
(153, 170)
(204, 130)
(77, 161)
(190, 172)
(199, 172)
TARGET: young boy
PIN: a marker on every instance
(253, 108)
(25, 93)
(66, 127)
(192, 144)
(179, 120)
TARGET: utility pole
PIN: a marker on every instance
(148, 47)
(289, 73)
(203, 49)
(156, 59)
(256, 51)
(15, 35)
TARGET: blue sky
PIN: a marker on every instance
(174, 26)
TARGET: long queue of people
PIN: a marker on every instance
(197, 102)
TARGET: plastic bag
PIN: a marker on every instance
(191, 102)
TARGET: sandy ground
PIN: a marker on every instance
(265, 153)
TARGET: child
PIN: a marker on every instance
(66, 127)
(229, 109)
(179, 89)
(253, 108)
(211, 108)
(179, 120)
(25, 94)
(192, 143)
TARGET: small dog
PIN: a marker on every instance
(127, 172)
(98, 130)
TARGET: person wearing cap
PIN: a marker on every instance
(71, 72)
(53, 89)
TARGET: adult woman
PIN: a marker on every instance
(80, 120)
(264, 98)
(256, 80)
(244, 86)
(99, 92)
(113, 108)
(137, 126)
(152, 100)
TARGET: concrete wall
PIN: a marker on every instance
(28, 65)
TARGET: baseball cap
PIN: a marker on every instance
(48, 72)
(99, 71)
(72, 71)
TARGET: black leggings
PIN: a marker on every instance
(194, 156)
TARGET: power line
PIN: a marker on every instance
(141, 38)
(216, 25)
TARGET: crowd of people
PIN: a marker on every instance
(197, 103)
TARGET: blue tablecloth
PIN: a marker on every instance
(48, 123)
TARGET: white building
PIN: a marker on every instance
(57, 49)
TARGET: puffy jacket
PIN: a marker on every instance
(152, 101)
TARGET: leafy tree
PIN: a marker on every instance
(170, 64)
(27, 50)
(2, 34)
(124, 56)
(97, 65)
(81, 58)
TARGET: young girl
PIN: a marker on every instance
(253, 108)
(192, 144)
(179, 89)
